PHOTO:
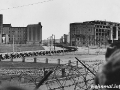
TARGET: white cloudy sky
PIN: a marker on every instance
(56, 15)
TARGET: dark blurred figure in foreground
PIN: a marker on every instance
(11, 88)
(109, 76)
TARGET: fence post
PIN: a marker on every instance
(63, 72)
(1, 57)
(23, 59)
(45, 72)
(69, 62)
(76, 63)
(35, 59)
(46, 61)
(22, 79)
(11, 59)
(58, 61)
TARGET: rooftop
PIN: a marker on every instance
(7, 25)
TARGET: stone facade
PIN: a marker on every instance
(19, 34)
(94, 33)
(34, 33)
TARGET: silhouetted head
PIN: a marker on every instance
(110, 72)
(111, 49)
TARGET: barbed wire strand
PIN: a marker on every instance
(25, 5)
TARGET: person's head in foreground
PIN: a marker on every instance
(109, 77)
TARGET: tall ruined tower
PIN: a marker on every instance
(1, 27)
(1, 23)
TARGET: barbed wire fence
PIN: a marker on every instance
(69, 76)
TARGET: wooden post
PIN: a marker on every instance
(35, 59)
(22, 79)
(45, 72)
(11, 59)
(76, 63)
(46, 61)
(23, 59)
(58, 61)
(69, 62)
(0, 57)
(63, 72)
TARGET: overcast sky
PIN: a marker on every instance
(56, 15)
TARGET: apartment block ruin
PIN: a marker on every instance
(96, 32)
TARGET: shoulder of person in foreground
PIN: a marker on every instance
(110, 72)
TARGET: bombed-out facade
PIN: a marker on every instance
(91, 33)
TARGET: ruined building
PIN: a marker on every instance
(31, 34)
(91, 33)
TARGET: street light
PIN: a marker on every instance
(63, 43)
(53, 40)
(49, 42)
(88, 43)
(13, 42)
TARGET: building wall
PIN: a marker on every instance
(68, 38)
(1, 26)
(6, 30)
(102, 33)
(20, 35)
(1, 22)
(34, 33)
(81, 34)
(106, 31)
(93, 33)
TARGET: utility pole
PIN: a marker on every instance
(88, 44)
(53, 39)
(50, 43)
(63, 44)
(54, 42)
(13, 42)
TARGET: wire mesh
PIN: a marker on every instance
(69, 76)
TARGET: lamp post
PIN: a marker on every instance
(13, 42)
(53, 40)
(63, 43)
(88, 44)
(48, 42)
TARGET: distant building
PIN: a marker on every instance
(1, 26)
(64, 39)
(1, 22)
(34, 33)
(68, 38)
(94, 33)
(6, 33)
(57, 40)
(19, 34)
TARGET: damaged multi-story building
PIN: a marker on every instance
(94, 33)
(31, 34)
